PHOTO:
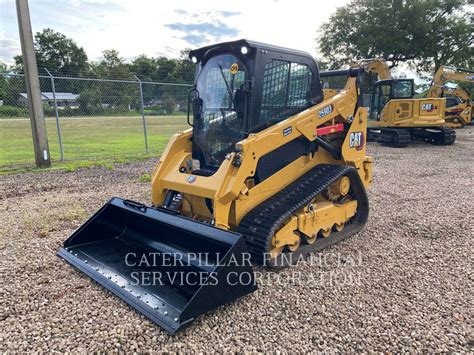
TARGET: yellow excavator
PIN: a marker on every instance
(395, 116)
(375, 69)
(269, 172)
(459, 105)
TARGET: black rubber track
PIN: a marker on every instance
(390, 137)
(260, 225)
(447, 136)
(435, 135)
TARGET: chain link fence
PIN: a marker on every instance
(89, 119)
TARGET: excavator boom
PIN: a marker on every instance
(459, 113)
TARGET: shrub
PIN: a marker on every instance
(12, 111)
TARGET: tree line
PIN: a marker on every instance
(423, 34)
(62, 57)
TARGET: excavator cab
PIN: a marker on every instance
(386, 90)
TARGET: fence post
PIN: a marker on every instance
(142, 106)
(56, 111)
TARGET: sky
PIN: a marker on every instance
(165, 27)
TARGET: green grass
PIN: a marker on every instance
(145, 178)
(87, 141)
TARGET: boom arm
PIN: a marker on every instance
(446, 74)
(463, 94)
(375, 65)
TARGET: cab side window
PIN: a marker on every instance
(286, 90)
(402, 89)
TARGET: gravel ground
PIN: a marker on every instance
(403, 284)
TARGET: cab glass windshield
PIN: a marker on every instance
(402, 89)
(219, 121)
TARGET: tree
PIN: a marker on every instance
(115, 93)
(112, 66)
(10, 86)
(144, 67)
(57, 53)
(165, 70)
(429, 33)
(184, 69)
(169, 104)
(89, 101)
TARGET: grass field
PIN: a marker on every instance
(87, 138)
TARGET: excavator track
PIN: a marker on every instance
(260, 225)
(435, 135)
(391, 137)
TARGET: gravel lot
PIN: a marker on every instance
(403, 283)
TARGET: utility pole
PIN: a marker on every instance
(142, 106)
(35, 105)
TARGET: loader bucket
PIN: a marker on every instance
(169, 268)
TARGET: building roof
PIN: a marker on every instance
(60, 96)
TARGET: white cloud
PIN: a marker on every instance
(166, 27)
(9, 47)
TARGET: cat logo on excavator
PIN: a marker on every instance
(427, 107)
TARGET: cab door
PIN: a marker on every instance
(380, 97)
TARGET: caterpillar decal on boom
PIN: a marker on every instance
(269, 169)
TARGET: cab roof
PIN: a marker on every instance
(251, 45)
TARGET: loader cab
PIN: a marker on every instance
(243, 87)
(386, 90)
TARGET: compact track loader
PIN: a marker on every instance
(269, 172)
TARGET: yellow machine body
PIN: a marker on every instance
(395, 116)
(231, 188)
(461, 114)
(269, 172)
(412, 113)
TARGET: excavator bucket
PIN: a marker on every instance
(169, 268)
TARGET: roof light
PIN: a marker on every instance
(194, 59)
(244, 50)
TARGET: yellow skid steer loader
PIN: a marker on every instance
(268, 172)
